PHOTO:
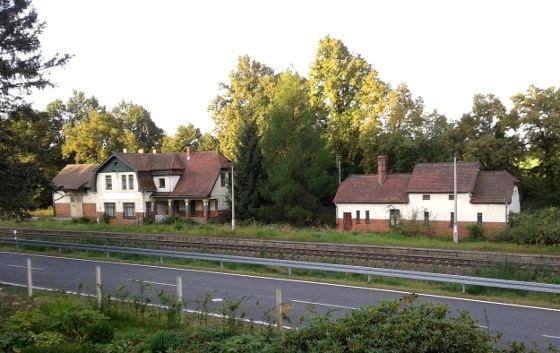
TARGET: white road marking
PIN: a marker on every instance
(547, 336)
(159, 283)
(324, 304)
(33, 268)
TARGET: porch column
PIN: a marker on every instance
(205, 207)
(169, 209)
(187, 210)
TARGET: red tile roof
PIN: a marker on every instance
(365, 189)
(494, 187)
(484, 187)
(438, 177)
(149, 162)
(201, 173)
(75, 176)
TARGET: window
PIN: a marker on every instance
(128, 210)
(131, 182)
(108, 182)
(367, 217)
(452, 219)
(148, 209)
(223, 179)
(110, 209)
(123, 182)
(479, 218)
(161, 182)
(357, 217)
(175, 207)
(425, 197)
(426, 217)
(451, 197)
(394, 217)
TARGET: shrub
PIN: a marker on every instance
(402, 325)
(475, 232)
(163, 341)
(101, 332)
(540, 226)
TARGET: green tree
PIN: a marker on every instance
(22, 69)
(346, 94)
(140, 131)
(250, 175)
(185, 136)
(93, 139)
(243, 100)
(488, 135)
(208, 142)
(78, 107)
(538, 113)
(296, 159)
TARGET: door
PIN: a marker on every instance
(347, 221)
(76, 209)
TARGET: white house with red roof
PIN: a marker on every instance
(127, 188)
(380, 202)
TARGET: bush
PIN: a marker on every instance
(163, 341)
(536, 227)
(475, 232)
(402, 325)
(101, 332)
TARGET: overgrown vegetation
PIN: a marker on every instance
(59, 322)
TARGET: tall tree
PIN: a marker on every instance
(185, 136)
(345, 92)
(93, 139)
(296, 159)
(250, 175)
(137, 123)
(538, 113)
(22, 69)
(244, 100)
(208, 142)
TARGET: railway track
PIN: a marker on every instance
(443, 261)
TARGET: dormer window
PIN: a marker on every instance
(161, 183)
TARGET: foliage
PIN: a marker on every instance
(476, 232)
(540, 226)
(403, 325)
(185, 136)
(163, 341)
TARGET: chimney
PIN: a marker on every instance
(381, 169)
(124, 150)
(140, 150)
(189, 150)
(156, 151)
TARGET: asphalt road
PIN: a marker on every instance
(519, 323)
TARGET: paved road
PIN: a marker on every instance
(520, 323)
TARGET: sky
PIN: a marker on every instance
(169, 57)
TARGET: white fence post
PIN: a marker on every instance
(29, 279)
(98, 285)
(279, 309)
(180, 296)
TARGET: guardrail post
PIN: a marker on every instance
(107, 254)
(221, 265)
(463, 288)
(368, 278)
(289, 271)
(279, 311)
(180, 296)
(29, 279)
(160, 257)
(15, 238)
(98, 284)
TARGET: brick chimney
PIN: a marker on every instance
(381, 169)
(189, 150)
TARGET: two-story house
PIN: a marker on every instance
(427, 195)
(131, 187)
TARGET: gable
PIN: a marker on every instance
(494, 187)
(114, 165)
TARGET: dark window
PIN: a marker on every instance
(161, 182)
(479, 218)
(131, 182)
(452, 197)
(426, 217)
(394, 217)
(367, 217)
(123, 182)
(357, 217)
(452, 219)
(223, 179)
(175, 207)
(108, 182)
(425, 197)
(128, 210)
(110, 209)
(148, 209)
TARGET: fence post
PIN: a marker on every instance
(98, 284)
(180, 296)
(279, 309)
(15, 238)
(29, 279)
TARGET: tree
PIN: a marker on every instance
(250, 174)
(185, 136)
(22, 69)
(296, 158)
(93, 139)
(538, 113)
(140, 131)
(208, 142)
(244, 100)
(345, 93)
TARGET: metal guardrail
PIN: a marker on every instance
(319, 266)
